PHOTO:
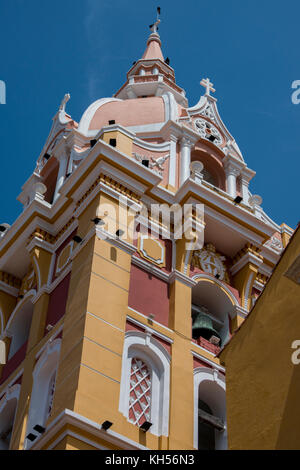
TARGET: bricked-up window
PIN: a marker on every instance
(140, 392)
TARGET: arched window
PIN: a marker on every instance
(43, 390)
(8, 407)
(145, 382)
(50, 395)
(210, 431)
(213, 171)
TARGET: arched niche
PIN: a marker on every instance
(213, 171)
(8, 407)
(19, 324)
(219, 302)
(210, 394)
(44, 378)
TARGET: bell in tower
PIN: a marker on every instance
(203, 326)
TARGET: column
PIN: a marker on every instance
(231, 175)
(172, 167)
(185, 159)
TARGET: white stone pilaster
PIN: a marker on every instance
(185, 159)
(173, 160)
(231, 176)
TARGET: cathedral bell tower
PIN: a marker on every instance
(110, 322)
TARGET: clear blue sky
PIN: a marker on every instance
(248, 48)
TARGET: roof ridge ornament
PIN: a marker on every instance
(154, 26)
(64, 102)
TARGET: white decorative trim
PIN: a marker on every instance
(87, 425)
(258, 285)
(181, 277)
(38, 273)
(49, 340)
(12, 380)
(148, 329)
(47, 289)
(148, 267)
(104, 321)
(201, 375)
(13, 291)
(77, 436)
(207, 361)
(247, 290)
(207, 277)
(11, 393)
(161, 246)
(246, 258)
(115, 241)
(42, 375)
(88, 115)
(38, 242)
(28, 296)
(144, 346)
(60, 269)
(145, 317)
(241, 311)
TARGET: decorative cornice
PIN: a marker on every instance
(248, 248)
(115, 241)
(42, 235)
(150, 268)
(68, 417)
(179, 276)
(10, 280)
(214, 365)
(247, 258)
(152, 331)
(261, 279)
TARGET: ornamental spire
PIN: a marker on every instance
(154, 26)
(153, 50)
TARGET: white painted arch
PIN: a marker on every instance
(209, 386)
(42, 374)
(19, 323)
(8, 408)
(145, 347)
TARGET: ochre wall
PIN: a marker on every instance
(263, 385)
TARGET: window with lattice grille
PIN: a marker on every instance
(140, 392)
(51, 391)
